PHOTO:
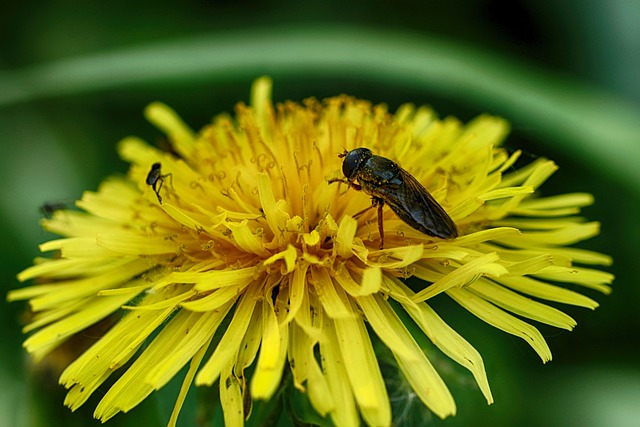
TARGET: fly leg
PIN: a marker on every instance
(357, 214)
(160, 184)
(379, 203)
(351, 184)
(375, 202)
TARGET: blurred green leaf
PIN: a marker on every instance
(597, 127)
(266, 413)
(301, 412)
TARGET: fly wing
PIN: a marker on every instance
(415, 206)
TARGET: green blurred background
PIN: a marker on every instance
(75, 77)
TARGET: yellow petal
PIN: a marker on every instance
(49, 295)
(298, 282)
(594, 279)
(428, 385)
(461, 276)
(398, 257)
(312, 238)
(246, 239)
(531, 265)
(326, 291)
(482, 236)
(111, 202)
(273, 350)
(289, 255)
(231, 398)
(310, 315)
(305, 369)
(582, 256)
(344, 279)
(250, 342)
(79, 394)
(520, 305)
(344, 413)
(387, 326)
(275, 219)
(215, 279)
(186, 384)
(114, 348)
(261, 100)
(362, 370)
(194, 220)
(181, 137)
(161, 305)
(131, 286)
(564, 236)
(299, 342)
(442, 335)
(465, 209)
(538, 223)
(58, 267)
(501, 320)
(228, 346)
(501, 193)
(344, 238)
(159, 361)
(39, 344)
(215, 300)
(415, 366)
(536, 173)
(43, 318)
(131, 244)
(194, 335)
(539, 289)
(78, 247)
(560, 201)
(542, 171)
(135, 150)
(370, 283)
(270, 347)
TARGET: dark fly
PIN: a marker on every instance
(155, 179)
(47, 209)
(387, 183)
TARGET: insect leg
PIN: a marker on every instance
(161, 184)
(346, 181)
(357, 214)
(157, 190)
(380, 204)
(170, 176)
(342, 180)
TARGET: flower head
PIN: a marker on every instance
(234, 254)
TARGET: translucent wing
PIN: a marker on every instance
(415, 206)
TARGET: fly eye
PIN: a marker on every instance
(353, 160)
(349, 164)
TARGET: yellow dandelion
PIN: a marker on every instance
(236, 256)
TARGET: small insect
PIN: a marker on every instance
(47, 209)
(155, 176)
(387, 183)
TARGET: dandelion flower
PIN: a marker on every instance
(248, 262)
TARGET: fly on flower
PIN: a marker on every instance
(47, 209)
(386, 182)
(256, 280)
(154, 177)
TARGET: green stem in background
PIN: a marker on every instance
(592, 124)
